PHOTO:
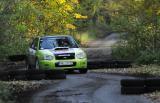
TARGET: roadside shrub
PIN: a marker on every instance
(122, 51)
(148, 57)
(145, 57)
(5, 94)
(13, 48)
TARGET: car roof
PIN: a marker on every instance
(55, 36)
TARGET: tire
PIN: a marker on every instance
(70, 71)
(17, 75)
(35, 75)
(55, 74)
(153, 89)
(153, 82)
(83, 71)
(16, 58)
(35, 72)
(133, 90)
(111, 65)
(4, 75)
(133, 82)
(28, 66)
(37, 67)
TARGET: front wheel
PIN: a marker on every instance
(37, 65)
(83, 71)
(28, 67)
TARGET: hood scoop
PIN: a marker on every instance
(61, 48)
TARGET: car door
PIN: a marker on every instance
(32, 51)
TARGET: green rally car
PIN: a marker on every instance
(56, 52)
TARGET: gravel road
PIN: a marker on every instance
(106, 42)
(91, 87)
(101, 49)
(87, 88)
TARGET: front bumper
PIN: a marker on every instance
(52, 64)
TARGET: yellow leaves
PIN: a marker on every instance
(139, 0)
(58, 15)
(48, 14)
(79, 16)
(75, 1)
(158, 12)
(70, 26)
(114, 6)
(150, 27)
(61, 1)
(68, 8)
(64, 1)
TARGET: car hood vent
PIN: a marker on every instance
(61, 48)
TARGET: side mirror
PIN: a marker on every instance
(35, 48)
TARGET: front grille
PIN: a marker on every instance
(65, 56)
(57, 65)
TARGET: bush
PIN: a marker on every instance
(13, 47)
(147, 57)
(5, 94)
(122, 51)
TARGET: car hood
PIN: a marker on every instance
(69, 50)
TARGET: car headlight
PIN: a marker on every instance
(48, 57)
(81, 55)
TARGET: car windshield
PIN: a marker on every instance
(53, 42)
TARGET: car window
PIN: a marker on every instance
(47, 44)
(50, 43)
(34, 44)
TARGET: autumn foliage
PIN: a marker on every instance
(22, 20)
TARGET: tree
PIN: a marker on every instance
(22, 20)
(139, 19)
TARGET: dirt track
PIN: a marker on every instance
(102, 49)
(91, 87)
(107, 42)
(87, 88)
